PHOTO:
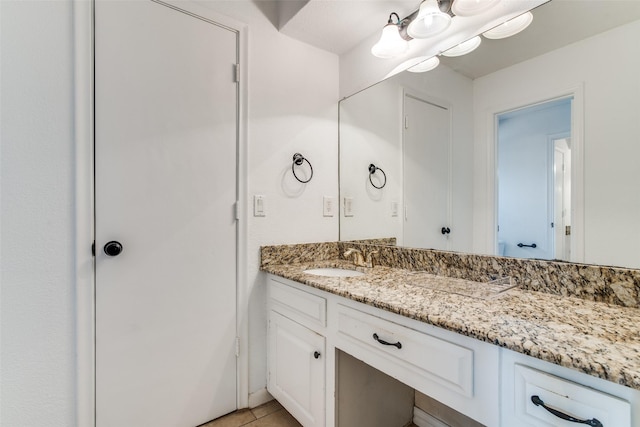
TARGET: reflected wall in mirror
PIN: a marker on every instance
(419, 130)
(585, 49)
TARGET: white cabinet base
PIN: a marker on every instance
(296, 369)
(486, 383)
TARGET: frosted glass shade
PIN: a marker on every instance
(510, 28)
(471, 7)
(391, 44)
(429, 22)
(464, 47)
(426, 65)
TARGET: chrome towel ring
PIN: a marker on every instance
(372, 169)
(298, 160)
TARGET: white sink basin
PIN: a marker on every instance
(334, 272)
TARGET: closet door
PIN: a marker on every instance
(426, 165)
(166, 138)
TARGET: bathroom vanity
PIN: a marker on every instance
(494, 355)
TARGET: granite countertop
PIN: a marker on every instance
(596, 338)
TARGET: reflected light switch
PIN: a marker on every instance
(348, 206)
(328, 206)
(394, 208)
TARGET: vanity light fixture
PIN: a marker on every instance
(427, 65)
(434, 17)
(391, 43)
(464, 47)
(471, 7)
(510, 28)
(430, 21)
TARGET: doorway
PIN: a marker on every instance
(166, 138)
(534, 189)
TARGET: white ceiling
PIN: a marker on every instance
(340, 25)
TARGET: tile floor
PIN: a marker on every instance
(271, 414)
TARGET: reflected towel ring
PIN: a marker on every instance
(372, 169)
(298, 160)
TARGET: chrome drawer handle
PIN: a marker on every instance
(592, 422)
(383, 342)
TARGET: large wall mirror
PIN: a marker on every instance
(459, 166)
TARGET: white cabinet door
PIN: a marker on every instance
(297, 369)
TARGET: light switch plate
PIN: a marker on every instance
(328, 206)
(259, 205)
(348, 206)
(394, 208)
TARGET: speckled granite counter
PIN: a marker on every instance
(596, 338)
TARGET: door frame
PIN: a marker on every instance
(552, 141)
(487, 224)
(84, 151)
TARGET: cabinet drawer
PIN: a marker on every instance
(305, 308)
(573, 399)
(423, 355)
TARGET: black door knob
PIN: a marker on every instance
(113, 248)
(316, 354)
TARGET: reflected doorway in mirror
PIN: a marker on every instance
(534, 181)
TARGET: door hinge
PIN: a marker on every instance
(237, 346)
(236, 210)
(406, 122)
(93, 248)
(236, 77)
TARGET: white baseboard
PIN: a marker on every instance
(422, 419)
(259, 397)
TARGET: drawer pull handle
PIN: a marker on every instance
(592, 422)
(383, 342)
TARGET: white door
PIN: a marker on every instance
(426, 140)
(165, 109)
